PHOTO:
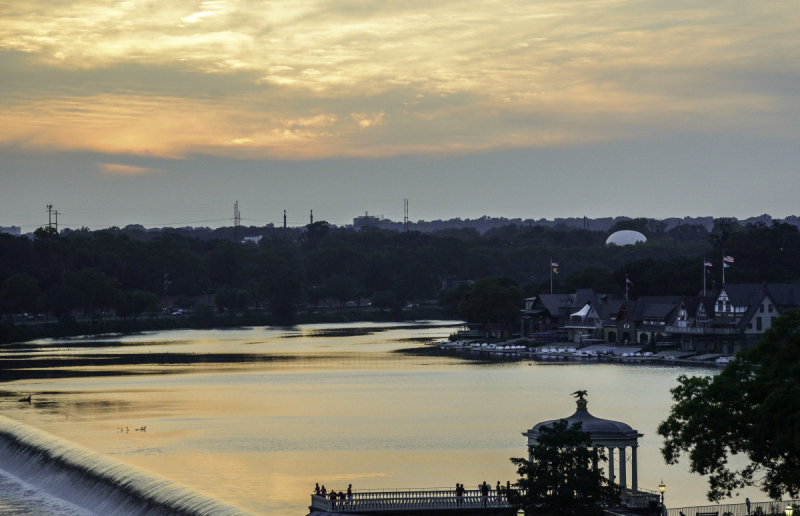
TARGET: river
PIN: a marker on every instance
(255, 417)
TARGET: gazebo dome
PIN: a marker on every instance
(602, 432)
(617, 437)
(625, 237)
(597, 428)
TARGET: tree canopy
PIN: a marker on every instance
(750, 409)
(561, 480)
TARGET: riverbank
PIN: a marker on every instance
(17, 333)
(566, 351)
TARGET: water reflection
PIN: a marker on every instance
(255, 419)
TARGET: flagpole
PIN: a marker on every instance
(626, 287)
(551, 274)
(723, 268)
(704, 277)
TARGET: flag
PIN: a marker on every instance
(628, 282)
(708, 272)
(555, 269)
(727, 259)
(553, 264)
(725, 265)
(709, 264)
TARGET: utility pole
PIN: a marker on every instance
(49, 215)
(284, 219)
(405, 214)
(56, 214)
(312, 216)
(236, 221)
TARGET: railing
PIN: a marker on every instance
(641, 498)
(700, 331)
(409, 501)
(736, 509)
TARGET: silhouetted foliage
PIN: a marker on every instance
(492, 300)
(751, 408)
(561, 479)
(88, 271)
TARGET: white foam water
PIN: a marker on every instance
(90, 481)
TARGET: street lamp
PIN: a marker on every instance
(789, 510)
(662, 488)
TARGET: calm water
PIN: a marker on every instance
(255, 417)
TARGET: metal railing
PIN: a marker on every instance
(700, 331)
(409, 501)
(736, 509)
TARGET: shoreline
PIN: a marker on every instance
(12, 335)
(524, 354)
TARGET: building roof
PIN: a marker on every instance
(626, 237)
(596, 428)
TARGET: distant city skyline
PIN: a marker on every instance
(160, 114)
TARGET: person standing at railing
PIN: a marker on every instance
(316, 490)
(485, 492)
(350, 491)
(459, 494)
(499, 498)
(323, 491)
(747, 503)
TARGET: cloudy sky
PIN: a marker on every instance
(165, 113)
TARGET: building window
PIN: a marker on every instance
(761, 309)
(719, 306)
(770, 308)
(749, 326)
(759, 326)
(730, 308)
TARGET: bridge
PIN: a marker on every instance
(439, 502)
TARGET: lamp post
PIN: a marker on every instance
(662, 488)
(789, 510)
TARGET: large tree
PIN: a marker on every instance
(752, 408)
(562, 480)
(492, 300)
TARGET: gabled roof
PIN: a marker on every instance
(583, 296)
(785, 294)
(554, 303)
(643, 303)
(746, 294)
(658, 310)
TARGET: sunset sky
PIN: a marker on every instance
(165, 113)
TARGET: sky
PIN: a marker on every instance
(166, 113)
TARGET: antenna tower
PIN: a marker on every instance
(237, 220)
(312, 216)
(405, 214)
(284, 219)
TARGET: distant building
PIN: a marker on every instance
(366, 221)
(626, 237)
(723, 322)
(254, 239)
(11, 230)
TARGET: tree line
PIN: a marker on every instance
(128, 272)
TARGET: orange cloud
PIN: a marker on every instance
(126, 170)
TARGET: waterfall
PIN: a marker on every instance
(89, 480)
